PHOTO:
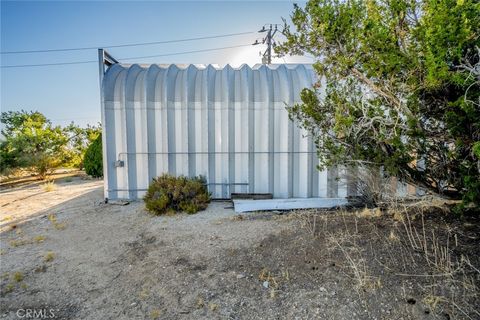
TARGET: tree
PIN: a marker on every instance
(399, 87)
(78, 141)
(31, 141)
(93, 160)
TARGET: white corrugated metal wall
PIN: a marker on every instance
(228, 124)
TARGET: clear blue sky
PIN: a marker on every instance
(71, 92)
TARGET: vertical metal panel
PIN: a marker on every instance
(152, 136)
(228, 124)
(210, 90)
(108, 119)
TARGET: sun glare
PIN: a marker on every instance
(252, 56)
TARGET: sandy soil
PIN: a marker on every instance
(67, 251)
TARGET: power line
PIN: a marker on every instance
(47, 64)
(127, 58)
(186, 52)
(128, 45)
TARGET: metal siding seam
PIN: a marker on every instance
(210, 88)
(103, 115)
(123, 172)
(310, 171)
(130, 121)
(305, 165)
(171, 118)
(224, 97)
(190, 92)
(271, 128)
(316, 172)
(296, 144)
(310, 162)
(179, 112)
(242, 134)
(251, 132)
(237, 118)
(202, 123)
(261, 132)
(280, 97)
(120, 134)
(109, 133)
(219, 100)
(141, 134)
(231, 131)
(290, 138)
(315, 160)
(109, 126)
(150, 85)
(163, 124)
(197, 107)
(224, 124)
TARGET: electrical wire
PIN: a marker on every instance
(127, 58)
(128, 45)
(186, 52)
(46, 64)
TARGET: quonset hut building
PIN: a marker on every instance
(228, 124)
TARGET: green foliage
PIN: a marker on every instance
(93, 160)
(78, 141)
(31, 141)
(171, 194)
(401, 88)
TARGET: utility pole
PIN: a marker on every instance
(268, 39)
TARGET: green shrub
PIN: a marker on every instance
(172, 194)
(93, 161)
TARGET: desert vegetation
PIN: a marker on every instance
(31, 144)
(169, 194)
(415, 260)
(93, 159)
(398, 89)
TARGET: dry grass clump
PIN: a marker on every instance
(19, 242)
(369, 185)
(49, 186)
(6, 218)
(200, 303)
(15, 282)
(24, 241)
(346, 243)
(212, 306)
(274, 280)
(411, 242)
(57, 225)
(155, 314)
(49, 256)
(369, 213)
(18, 276)
(39, 238)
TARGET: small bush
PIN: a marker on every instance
(168, 193)
(93, 160)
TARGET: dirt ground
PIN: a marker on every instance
(67, 252)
